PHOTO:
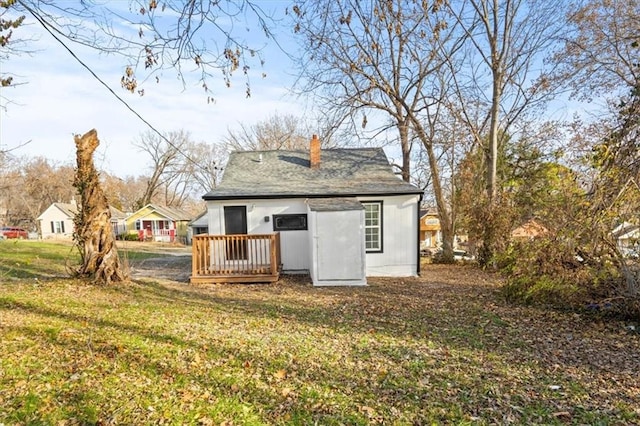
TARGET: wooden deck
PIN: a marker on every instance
(236, 258)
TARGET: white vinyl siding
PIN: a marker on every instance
(399, 237)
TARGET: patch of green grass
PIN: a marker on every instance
(393, 353)
(35, 259)
(26, 259)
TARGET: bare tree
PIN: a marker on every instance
(600, 59)
(7, 40)
(275, 132)
(29, 185)
(123, 193)
(181, 169)
(507, 42)
(152, 36)
(380, 62)
(167, 163)
(210, 166)
(93, 233)
(601, 48)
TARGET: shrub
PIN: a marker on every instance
(548, 271)
(129, 237)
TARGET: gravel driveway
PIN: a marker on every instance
(173, 267)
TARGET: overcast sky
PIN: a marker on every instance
(59, 98)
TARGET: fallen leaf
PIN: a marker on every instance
(286, 392)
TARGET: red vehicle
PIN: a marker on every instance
(13, 232)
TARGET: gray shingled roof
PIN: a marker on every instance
(117, 213)
(67, 208)
(287, 174)
(334, 204)
(171, 212)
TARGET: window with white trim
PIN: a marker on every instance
(373, 226)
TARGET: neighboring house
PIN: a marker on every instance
(430, 235)
(118, 221)
(199, 225)
(339, 214)
(159, 223)
(57, 220)
(627, 237)
(529, 230)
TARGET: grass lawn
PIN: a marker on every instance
(441, 349)
(21, 259)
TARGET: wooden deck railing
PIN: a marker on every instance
(236, 258)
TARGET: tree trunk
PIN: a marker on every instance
(93, 231)
(490, 237)
(403, 129)
(447, 227)
(446, 222)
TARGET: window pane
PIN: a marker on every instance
(372, 226)
(290, 222)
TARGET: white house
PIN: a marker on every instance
(57, 220)
(199, 225)
(341, 214)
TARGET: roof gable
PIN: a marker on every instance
(117, 214)
(201, 220)
(156, 211)
(66, 210)
(342, 172)
(429, 211)
(626, 231)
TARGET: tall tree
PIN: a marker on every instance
(181, 169)
(123, 193)
(601, 49)
(600, 60)
(377, 62)
(507, 42)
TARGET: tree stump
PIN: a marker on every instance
(93, 232)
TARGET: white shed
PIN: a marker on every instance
(337, 241)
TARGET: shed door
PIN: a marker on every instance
(235, 222)
(340, 245)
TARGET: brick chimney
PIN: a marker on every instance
(314, 152)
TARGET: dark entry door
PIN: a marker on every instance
(235, 222)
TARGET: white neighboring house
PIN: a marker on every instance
(57, 221)
(199, 225)
(118, 221)
(342, 214)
